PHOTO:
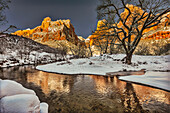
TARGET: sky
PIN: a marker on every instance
(30, 13)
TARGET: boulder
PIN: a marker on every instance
(43, 107)
(14, 98)
(21, 103)
(8, 88)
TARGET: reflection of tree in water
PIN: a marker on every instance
(130, 100)
(17, 73)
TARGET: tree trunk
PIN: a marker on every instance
(128, 59)
(90, 52)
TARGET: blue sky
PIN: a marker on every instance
(30, 13)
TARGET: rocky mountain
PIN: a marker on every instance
(51, 33)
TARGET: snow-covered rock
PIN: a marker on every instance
(22, 103)
(43, 107)
(8, 88)
(14, 98)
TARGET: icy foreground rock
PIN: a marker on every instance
(44, 107)
(14, 98)
(9, 88)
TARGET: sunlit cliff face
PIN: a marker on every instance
(160, 31)
(51, 30)
(100, 31)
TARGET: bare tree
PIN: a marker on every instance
(102, 39)
(89, 50)
(130, 26)
(78, 51)
(3, 7)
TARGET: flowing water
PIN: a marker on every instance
(89, 93)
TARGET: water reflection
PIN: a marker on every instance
(135, 98)
(89, 93)
(49, 81)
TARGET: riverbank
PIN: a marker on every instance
(159, 80)
(18, 51)
(110, 65)
(100, 65)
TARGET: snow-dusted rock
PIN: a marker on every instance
(22, 103)
(14, 98)
(8, 88)
(43, 107)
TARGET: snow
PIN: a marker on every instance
(43, 107)
(100, 65)
(17, 51)
(155, 79)
(28, 29)
(8, 88)
(13, 59)
(14, 98)
(22, 103)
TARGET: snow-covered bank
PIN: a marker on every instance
(34, 57)
(15, 50)
(100, 65)
(155, 79)
(14, 98)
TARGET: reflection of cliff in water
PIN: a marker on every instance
(135, 98)
(17, 73)
(103, 85)
(50, 81)
(47, 81)
(156, 99)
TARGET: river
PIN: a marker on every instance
(89, 93)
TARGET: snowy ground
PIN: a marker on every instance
(100, 65)
(15, 50)
(156, 79)
(14, 59)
